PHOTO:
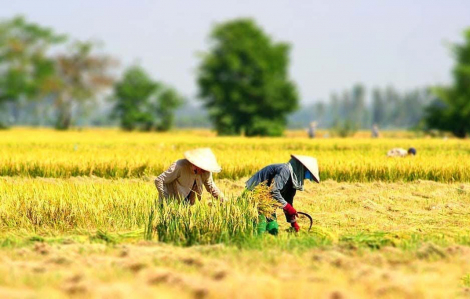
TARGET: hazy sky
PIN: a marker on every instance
(335, 43)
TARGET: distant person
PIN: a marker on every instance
(285, 179)
(375, 131)
(184, 179)
(401, 152)
(312, 129)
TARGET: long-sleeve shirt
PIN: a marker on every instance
(180, 181)
(397, 152)
(282, 190)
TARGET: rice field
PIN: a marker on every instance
(115, 154)
(78, 218)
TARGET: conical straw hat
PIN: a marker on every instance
(203, 158)
(311, 164)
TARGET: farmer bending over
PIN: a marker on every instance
(285, 180)
(401, 152)
(185, 177)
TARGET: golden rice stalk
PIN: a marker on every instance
(263, 199)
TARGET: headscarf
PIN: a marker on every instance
(297, 172)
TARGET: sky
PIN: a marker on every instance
(335, 44)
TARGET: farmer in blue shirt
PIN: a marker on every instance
(285, 179)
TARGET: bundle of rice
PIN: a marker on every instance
(264, 202)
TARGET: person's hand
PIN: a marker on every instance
(216, 201)
(295, 226)
(290, 212)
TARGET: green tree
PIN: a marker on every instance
(166, 100)
(344, 128)
(378, 107)
(80, 76)
(335, 108)
(345, 106)
(26, 72)
(391, 102)
(131, 95)
(243, 80)
(451, 111)
(319, 114)
(358, 106)
(144, 104)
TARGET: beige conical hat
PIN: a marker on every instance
(311, 164)
(203, 158)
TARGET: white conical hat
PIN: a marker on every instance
(203, 158)
(311, 164)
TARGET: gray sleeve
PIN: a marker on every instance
(278, 184)
(252, 183)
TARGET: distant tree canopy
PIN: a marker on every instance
(144, 104)
(243, 80)
(32, 80)
(80, 75)
(451, 111)
(387, 107)
(26, 71)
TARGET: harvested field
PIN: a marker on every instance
(82, 234)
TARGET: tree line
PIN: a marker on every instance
(51, 79)
(386, 107)
(47, 78)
